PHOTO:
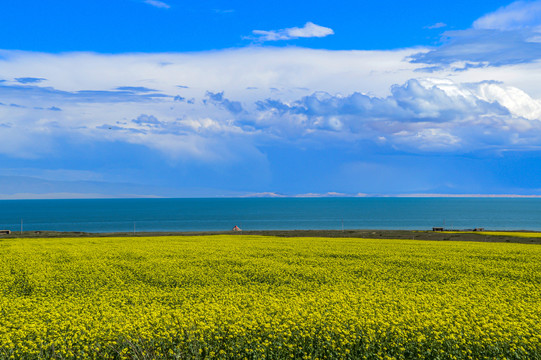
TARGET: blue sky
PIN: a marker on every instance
(117, 26)
(215, 98)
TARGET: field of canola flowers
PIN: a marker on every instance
(519, 234)
(255, 297)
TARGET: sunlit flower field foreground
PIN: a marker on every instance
(255, 297)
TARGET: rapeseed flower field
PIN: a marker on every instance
(520, 234)
(256, 297)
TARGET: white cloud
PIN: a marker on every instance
(510, 35)
(309, 30)
(256, 96)
(438, 25)
(515, 100)
(158, 4)
(430, 139)
(286, 69)
(517, 15)
(420, 115)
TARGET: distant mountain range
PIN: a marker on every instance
(26, 187)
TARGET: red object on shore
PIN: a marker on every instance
(236, 228)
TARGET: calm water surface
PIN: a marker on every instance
(111, 215)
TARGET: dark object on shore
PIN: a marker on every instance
(5, 232)
(442, 229)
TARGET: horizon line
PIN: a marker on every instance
(94, 196)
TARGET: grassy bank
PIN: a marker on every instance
(486, 236)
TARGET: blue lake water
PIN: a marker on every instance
(120, 215)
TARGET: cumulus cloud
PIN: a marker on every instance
(309, 30)
(420, 115)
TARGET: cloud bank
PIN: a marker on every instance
(235, 96)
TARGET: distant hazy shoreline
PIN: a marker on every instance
(70, 196)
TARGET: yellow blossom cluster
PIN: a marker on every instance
(256, 297)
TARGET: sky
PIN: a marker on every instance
(149, 98)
